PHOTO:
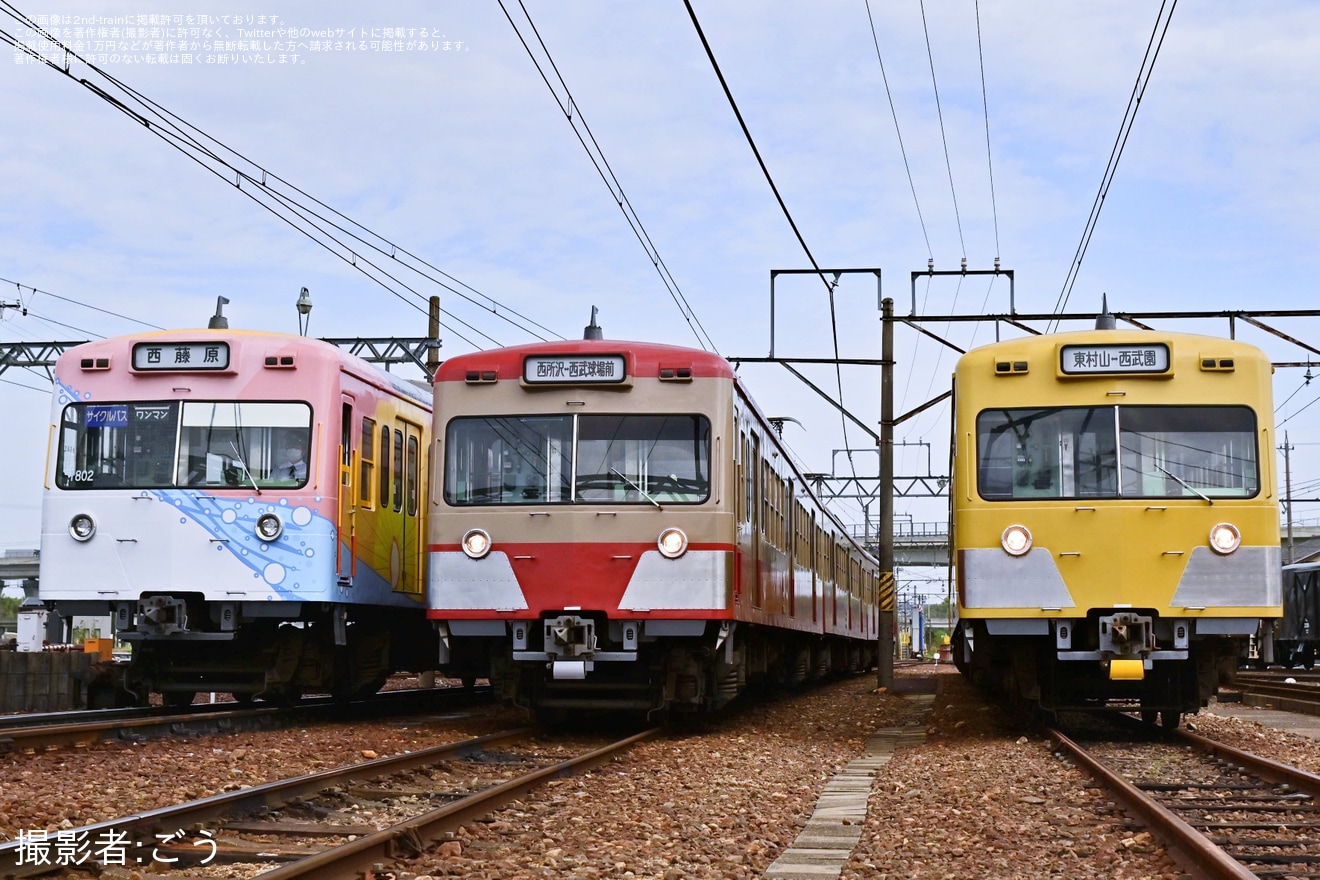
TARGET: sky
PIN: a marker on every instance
(437, 133)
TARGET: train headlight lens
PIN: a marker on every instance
(82, 527)
(1016, 540)
(672, 543)
(476, 543)
(1225, 538)
(269, 527)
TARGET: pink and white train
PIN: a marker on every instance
(246, 507)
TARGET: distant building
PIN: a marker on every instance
(1303, 550)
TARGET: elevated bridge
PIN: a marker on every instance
(927, 544)
(915, 544)
(21, 567)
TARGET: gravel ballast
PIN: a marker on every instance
(982, 796)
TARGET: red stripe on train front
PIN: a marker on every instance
(624, 580)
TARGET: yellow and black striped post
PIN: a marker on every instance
(888, 593)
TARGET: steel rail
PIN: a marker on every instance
(271, 794)
(411, 837)
(1266, 768)
(1273, 692)
(88, 726)
(1288, 698)
(1174, 832)
(78, 733)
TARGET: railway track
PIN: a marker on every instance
(72, 729)
(334, 823)
(1291, 691)
(1226, 813)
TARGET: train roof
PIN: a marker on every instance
(644, 359)
(1122, 336)
(249, 349)
(1116, 353)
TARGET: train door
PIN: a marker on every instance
(346, 566)
(791, 548)
(755, 500)
(814, 567)
(836, 582)
(408, 479)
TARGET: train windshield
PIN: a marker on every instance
(588, 459)
(1123, 451)
(167, 444)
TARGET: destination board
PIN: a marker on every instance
(1083, 360)
(574, 369)
(176, 356)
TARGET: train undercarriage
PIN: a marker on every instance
(345, 651)
(562, 668)
(1154, 678)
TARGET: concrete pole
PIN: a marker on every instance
(885, 527)
(1287, 488)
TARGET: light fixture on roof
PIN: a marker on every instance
(304, 311)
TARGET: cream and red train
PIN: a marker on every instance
(1116, 524)
(616, 526)
(247, 509)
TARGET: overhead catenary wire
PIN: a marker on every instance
(899, 132)
(573, 113)
(989, 162)
(1305, 381)
(907, 167)
(235, 167)
(1296, 413)
(51, 321)
(39, 292)
(23, 328)
(829, 287)
(1153, 46)
(953, 192)
(28, 387)
(939, 112)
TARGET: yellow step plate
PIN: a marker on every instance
(1127, 670)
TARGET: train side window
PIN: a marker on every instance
(384, 467)
(367, 457)
(776, 500)
(782, 515)
(346, 438)
(742, 479)
(398, 470)
(413, 472)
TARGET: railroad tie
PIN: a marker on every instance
(832, 832)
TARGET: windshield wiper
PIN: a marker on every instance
(238, 459)
(637, 487)
(1183, 483)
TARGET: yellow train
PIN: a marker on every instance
(1115, 517)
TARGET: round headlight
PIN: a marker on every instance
(1016, 540)
(672, 543)
(82, 527)
(476, 543)
(1225, 538)
(269, 527)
